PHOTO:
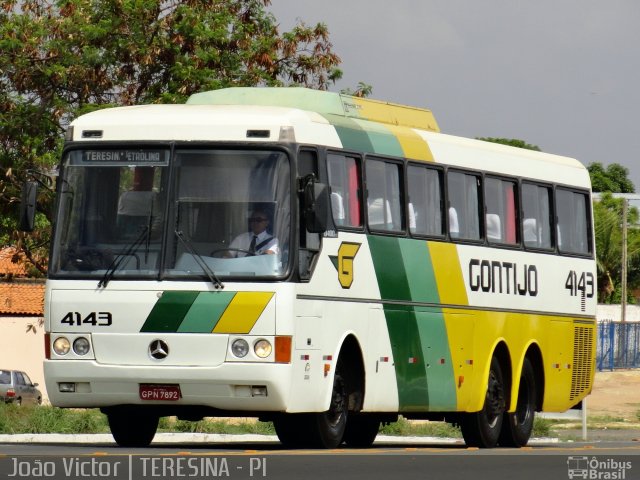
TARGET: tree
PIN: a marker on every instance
(615, 178)
(607, 218)
(64, 58)
(362, 91)
(607, 213)
(512, 142)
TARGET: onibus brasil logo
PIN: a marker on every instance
(597, 469)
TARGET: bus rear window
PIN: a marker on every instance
(573, 222)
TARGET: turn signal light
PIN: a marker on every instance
(283, 349)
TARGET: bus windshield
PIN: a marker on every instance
(228, 212)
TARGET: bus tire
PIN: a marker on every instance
(482, 429)
(361, 430)
(328, 427)
(517, 426)
(132, 428)
(292, 429)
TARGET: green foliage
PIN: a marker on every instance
(607, 214)
(363, 90)
(512, 142)
(614, 178)
(62, 59)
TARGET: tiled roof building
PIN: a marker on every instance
(18, 296)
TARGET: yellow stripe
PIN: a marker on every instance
(392, 114)
(448, 273)
(243, 312)
(413, 145)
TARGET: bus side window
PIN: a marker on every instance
(465, 200)
(309, 242)
(500, 204)
(346, 189)
(424, 189)
(384, 195)
(536, 212)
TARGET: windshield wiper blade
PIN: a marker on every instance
(117, 260)
(217, 284)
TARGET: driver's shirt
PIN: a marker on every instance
(264, 241)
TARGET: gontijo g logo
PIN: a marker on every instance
(344, 262)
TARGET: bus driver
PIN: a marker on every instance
(257, 241)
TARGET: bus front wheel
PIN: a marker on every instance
(482, 429)
(328, 427)
(132, 428)
(361, 430)
(517, 426)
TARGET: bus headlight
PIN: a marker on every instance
(81, 346)
(61, 346)
(240, 348)
(262, 348)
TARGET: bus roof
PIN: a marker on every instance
(323, 102)
(320, 118)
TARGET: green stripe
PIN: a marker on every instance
(401, 322)
(404, 272)
(205, 312)
(169, 311)
(352, 136)
(382, 140)
(421, 278)
(435, 347)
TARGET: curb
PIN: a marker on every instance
(204, 438)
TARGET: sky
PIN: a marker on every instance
(560, 74)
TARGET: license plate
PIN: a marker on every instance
(160, 392)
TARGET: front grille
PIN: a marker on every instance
(583, 358)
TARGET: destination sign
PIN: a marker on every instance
(124, 156)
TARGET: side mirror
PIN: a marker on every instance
(317, 212)
(28, 206)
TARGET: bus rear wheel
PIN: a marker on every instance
(517, 426)
(131, 428)
(482, 429)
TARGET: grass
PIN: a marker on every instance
(235, 427)
(46, 419)
(405, 428)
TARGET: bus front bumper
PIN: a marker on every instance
(234, 387)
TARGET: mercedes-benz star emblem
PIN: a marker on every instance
(158, 349)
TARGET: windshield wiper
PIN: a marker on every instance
(217, 284)
(117, 260)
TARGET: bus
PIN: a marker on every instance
(408, 273)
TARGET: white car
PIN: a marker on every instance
(16, 387)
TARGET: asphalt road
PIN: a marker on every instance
(256, 460)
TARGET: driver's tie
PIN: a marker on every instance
(252, 246)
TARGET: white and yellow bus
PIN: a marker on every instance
(407, 272)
